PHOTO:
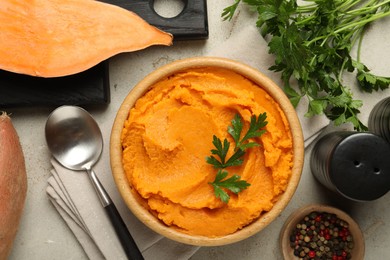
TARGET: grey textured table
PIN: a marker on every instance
(44, 235)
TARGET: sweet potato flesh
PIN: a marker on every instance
(51, 38)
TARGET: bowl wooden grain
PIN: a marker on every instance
(143, 86)
(291, 222)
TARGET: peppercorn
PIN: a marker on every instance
(312, 254)
(321, 235)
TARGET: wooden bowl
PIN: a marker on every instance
(292, 221)
(144, 85)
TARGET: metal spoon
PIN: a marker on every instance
(76, 142)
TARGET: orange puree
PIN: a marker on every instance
(169, 134)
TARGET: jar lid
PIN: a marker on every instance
(360, 167)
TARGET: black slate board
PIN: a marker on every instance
(92, 87)
(190, 24)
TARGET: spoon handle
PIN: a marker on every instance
(127, 241)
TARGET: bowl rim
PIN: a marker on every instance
(297, 215)
(197, 62)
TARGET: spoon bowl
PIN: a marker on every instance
(74, 138)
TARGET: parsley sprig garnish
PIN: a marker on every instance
(253, 131)
(312, 44)
(234, 183)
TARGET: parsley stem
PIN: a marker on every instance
(308, 8)
(367, 8)
(361, 23)
(347, 5)
(340, 75)
(355, 36)
(360, 45)
(357, 24)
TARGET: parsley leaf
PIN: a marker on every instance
(236, 128)
(221, 152)
(229, 11)
(234, 184)
(253, 131)
(368, 81)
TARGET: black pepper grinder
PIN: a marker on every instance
(379, 119)
(355, 165)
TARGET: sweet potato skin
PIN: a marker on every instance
(13, 184)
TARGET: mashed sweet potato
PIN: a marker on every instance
(169, 133)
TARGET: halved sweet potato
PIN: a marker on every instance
(51, 38)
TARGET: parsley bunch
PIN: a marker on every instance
(234, 183)
(312, 44)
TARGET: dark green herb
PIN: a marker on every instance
(234, 183)
(221, 152)
(253, 131)
(312, 44)
(369, 82)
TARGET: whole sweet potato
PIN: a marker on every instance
(13, 184)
